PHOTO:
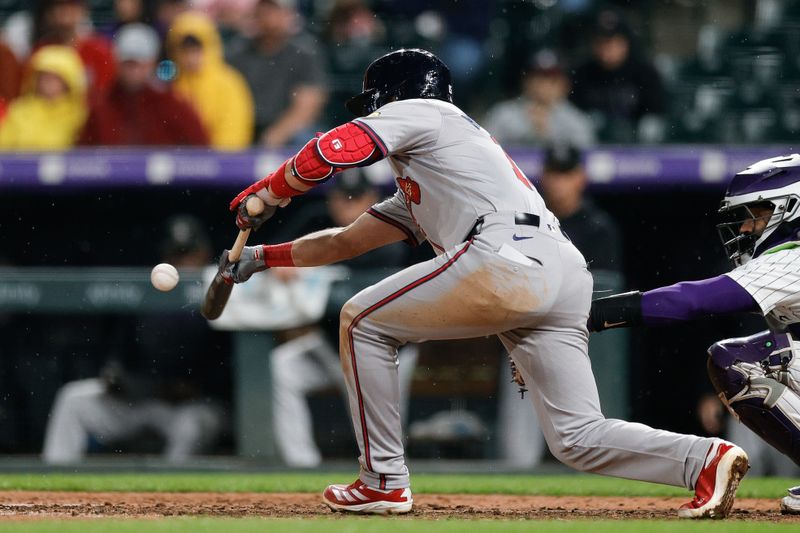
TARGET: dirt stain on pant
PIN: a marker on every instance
(491, 295)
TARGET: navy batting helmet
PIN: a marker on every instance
(400, 75)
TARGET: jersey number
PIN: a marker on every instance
(517, 172)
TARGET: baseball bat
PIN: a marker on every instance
(219, 291)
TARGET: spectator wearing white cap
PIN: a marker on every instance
(139, 109)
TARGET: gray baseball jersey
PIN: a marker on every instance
(449, 170)
(773, 280)
(519, 278)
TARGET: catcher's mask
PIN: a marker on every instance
(737, 230)
(401, 75)
(772, 183)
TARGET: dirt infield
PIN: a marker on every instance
(23, 505)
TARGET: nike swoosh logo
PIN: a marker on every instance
(612, 324)
(516, 238)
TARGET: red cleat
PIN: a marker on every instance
(359, 498)
(725, 466)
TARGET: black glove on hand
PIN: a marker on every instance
(618, 311)
(244, 220)
(250, 262)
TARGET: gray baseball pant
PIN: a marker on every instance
(531, 287)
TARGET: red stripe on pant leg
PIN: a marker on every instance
(365, 312)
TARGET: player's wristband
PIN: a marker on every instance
(278, 255)
(618, 311)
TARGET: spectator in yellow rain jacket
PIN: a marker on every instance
(217, 90)
(51, 110)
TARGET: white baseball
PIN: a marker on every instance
(164, 277)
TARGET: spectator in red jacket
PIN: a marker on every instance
(11, 74)
(67, 22)
(138, 109)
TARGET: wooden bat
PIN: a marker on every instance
(219, 291)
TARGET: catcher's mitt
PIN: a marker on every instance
(516, 377)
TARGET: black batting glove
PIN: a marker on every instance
(245, 221)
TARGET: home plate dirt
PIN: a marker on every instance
(24, 505)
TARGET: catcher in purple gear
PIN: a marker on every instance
(757, 377)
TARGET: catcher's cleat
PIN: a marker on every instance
(715, 489)
(790, 504)
(359, 498)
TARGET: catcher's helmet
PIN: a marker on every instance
(772, 182)
(400, 75)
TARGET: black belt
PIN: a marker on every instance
(522, 219)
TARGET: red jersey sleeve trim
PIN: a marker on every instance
(410, 238)
(374, 136)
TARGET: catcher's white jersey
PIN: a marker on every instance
(773, 279)
(448, 169)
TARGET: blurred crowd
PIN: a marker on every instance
(231, 74)
(562, 75)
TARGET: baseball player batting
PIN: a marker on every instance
(504, 267)
(757, 377)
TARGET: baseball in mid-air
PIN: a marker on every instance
(164, 277)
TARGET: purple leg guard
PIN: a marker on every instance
(756, 379)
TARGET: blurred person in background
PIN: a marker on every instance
(233, 17)
(621, 90)
(10, 78)
(51, 110)
(286, 75)
(458, 31)
(541, 114)
(139, 109)
(563, 185)
(217, 91)
(308, 361)
(130, 12)
(355, 35)
(17, 33)
(68, 23)
(167, 11)
(170, 384)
